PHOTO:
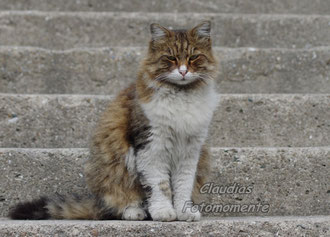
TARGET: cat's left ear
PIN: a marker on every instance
(158, 32)
(202, 30)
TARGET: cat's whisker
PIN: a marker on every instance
(204, 78)
(203, 81)
(161, 77)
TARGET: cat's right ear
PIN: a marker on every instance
(158, 32)
(202, 30)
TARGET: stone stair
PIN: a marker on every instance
(62, 61)
(64, 30)
(107, 70)
(250, 226)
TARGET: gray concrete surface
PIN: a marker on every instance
(241, 120)
(219, 6)
(314, 226)
(292, 181)
(58, 30)
(107, 70)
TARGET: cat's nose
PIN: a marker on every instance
(183, 70)
(183, 73)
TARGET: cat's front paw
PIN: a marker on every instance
(163, 214)
(188, 214)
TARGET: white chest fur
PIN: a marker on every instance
(185, 113)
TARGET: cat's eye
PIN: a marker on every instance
(171, 58)
(192, 58)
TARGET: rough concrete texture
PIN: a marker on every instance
(313, 226)
(65, 30)
(292, 181)
(107, 70)
(240, 120)
(27, 174)
(216, 6)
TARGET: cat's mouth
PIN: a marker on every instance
(175, 77)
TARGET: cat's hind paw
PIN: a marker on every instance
(134, 214)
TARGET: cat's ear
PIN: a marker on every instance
(202, 30)
(158, 32)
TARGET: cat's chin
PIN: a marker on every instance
(181, 82)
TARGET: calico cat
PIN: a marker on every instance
(148, 156)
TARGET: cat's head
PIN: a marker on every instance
(181, 57)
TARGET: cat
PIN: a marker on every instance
(149, 156)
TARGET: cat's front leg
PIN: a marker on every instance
(154, 175)
(183, 181)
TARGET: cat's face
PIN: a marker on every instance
(181, 57)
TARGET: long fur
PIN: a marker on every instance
(61, 207)
(33, 210)
(148, 155)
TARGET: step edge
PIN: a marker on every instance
(213, 149)
(4, 48)
(6, 221)
(124, 14)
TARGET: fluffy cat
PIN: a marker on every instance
(148, 155)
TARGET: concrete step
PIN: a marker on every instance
(58, 30)
(291, 181)
(240, 120)
(315, 226)
(107, 70)
(215, 6)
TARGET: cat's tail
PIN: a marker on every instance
(60, 207)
